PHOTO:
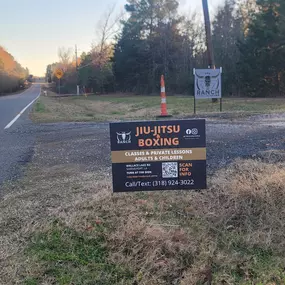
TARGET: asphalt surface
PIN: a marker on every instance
(16, 145)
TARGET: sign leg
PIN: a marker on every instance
(194, 105)
(221, 104)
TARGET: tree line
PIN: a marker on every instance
(12, 74)
(155, 39)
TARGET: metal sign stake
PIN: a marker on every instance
(221, 99)
(194, 70)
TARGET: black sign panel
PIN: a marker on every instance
(158, 155)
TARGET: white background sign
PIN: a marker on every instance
(208, 83)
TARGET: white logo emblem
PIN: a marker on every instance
(194, 131)
(208, 82)
(124, 137)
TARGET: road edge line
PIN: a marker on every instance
(22, 112)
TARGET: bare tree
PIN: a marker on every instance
(103, 49)
(65, 56)
(108, 26)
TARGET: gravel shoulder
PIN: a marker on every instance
(87, 144)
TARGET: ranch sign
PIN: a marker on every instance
(208, 83)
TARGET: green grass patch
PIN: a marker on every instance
(136, 107)
(182, 104)
(31, 281)
(253, 263)
(71, 257)
(39, 107)
(117, 113)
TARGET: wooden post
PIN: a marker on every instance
(209, 42)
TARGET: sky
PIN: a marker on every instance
(33, 30)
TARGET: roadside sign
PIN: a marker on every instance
(208, 83)
(58, 73)
(158, 155)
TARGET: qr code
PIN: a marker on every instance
(169, 170)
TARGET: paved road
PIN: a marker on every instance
(16, 145)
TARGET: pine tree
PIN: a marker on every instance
(148, 39)
(263, 52)
(227, 32)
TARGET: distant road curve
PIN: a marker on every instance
(12, 106)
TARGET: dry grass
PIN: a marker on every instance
(233, 233)
(127, 107)
(32, 204)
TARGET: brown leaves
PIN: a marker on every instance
(10, 72)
